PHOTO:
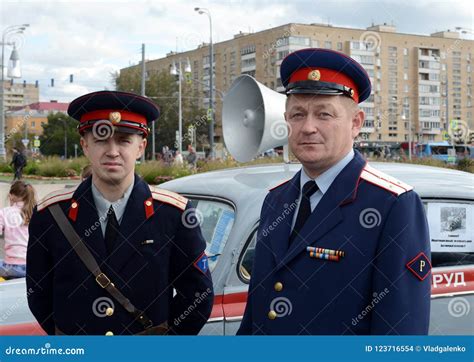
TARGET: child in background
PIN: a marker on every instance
(14, 222)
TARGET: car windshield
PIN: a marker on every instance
(216, 219)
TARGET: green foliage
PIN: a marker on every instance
(31, 168)
(77, 164)
(5, 167)
(52, 139)
(156, 172)
(162, 88)
(52, 167)
(466, 164)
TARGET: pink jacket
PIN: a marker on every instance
(15, 233)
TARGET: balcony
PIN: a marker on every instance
(433, 131)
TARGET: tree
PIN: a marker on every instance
(53, 140)
(162, 88)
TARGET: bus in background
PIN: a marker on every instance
(442, 151)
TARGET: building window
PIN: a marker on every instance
(247, 50)
(299, 40)
(328, 44)
(248, 62)
(282, 54)
(282, 41)
(339, 46)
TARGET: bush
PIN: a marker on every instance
(31, 168)
(5, 167)
(77, 164)
(208, 165)
(155, 172)
(466, 164)
(52, 167)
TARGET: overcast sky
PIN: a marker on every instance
(91, 39)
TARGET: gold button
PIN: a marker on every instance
(148, 203)
(109, 333)
(278, 287)
(272, 315)
(74, 205)
(109, 311)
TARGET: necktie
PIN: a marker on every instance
(111, 230)
(304, 210)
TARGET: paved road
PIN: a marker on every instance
(42, 189)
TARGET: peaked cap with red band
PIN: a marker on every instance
(324, 71)
(126, 112)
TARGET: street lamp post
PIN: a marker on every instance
(446, 99)
(409, 135)
(13, 72)
(211, 73)
(179, 72)
(65, 137)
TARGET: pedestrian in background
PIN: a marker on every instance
(18, 163)
(14, 221)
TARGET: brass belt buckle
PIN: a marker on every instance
(103, 280)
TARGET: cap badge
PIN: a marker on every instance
(314, 75)
(115, 117)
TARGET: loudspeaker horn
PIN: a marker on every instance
(253, 119)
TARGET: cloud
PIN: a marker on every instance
(91, 39)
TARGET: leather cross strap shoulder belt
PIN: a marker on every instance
(103, 280)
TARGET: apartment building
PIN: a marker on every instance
(420, 82)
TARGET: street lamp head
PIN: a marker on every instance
(173, 69)
(201, 10)
(187, 68)
(14, 70)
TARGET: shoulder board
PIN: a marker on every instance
(277, 186)
(55, 197)
(384, 181)
(168, 197)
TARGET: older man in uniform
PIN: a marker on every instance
(354, 257)
(113, 256)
